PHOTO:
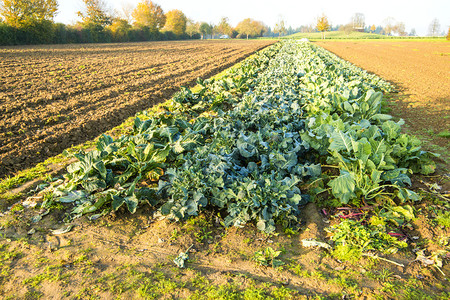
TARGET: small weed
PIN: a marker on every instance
(10, 197)
(385, 276)
(298, 270)
(254, 293)
(17, 207)
(50, 274)
(200, 282)
(216, 247)
(6, 257)
(33, 294)
(290, 232)
(283, 293)
(429, 131)
(24, 176)
(443, 219)
(174, 235)
(352, 238)
(444, 134)
(203, 235)
(199, 221)
(268, 257)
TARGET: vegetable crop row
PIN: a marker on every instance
(245, 143)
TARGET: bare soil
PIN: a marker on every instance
(421, 72)
(131, 257)
(53, 97)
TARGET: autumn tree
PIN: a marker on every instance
(224, 27)
(149, 14)
(205, 29)
(126, 11)
(448, 34)
(119, 29)
(176, 22)
(95, 17)
(323, 25)
(388, 25)
(249, 27)
(434, 28)
(260, 28)
(358, 21)
(28, 13)
(307, 28)
(34, 18)
(400, 29)
(192, 27)
(373, 28)
(245, 27)
(280, 27)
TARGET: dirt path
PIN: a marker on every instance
(53, 97)
(421, 72)
(110, 258)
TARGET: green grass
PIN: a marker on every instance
(341, 35)
(337, 35)
(443, 219)
(11, 182)
(444, 134)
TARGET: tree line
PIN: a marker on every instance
(32, 22)
(391, 27)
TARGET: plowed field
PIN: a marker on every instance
(53, 97)
(421, 72)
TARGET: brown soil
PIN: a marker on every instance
(421, 72)
(53, 97)
(109, 258)
(93, 257)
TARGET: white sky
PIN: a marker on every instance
(415, 14)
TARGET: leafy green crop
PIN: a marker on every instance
(245, 143)
(268, 257)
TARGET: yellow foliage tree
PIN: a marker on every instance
(149, 14)
(205, 29)
(192, 27)
(224, 27)
(95, 17)
(323, 25)
(251, 27)
(25, 13)
(280, 28)
(373, 28)
(119, 29)
(176, 22)
(245, 27)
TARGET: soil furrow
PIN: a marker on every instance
(53, 97)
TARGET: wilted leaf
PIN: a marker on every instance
(72, 196)
(62, 230)
(181, 259)
(313, 243)
(132, 203)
